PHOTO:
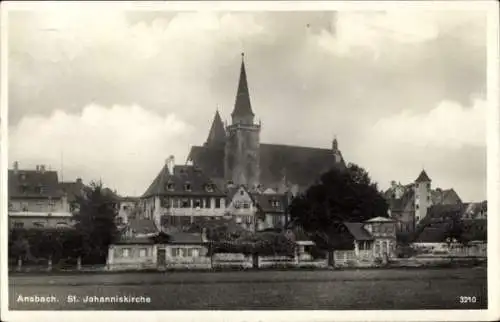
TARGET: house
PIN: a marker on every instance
(409, 204)
(128, 207)
(73, 190)
(142, 246)
(180, 195)
(367, 242)
(234, 154)
(433, 235)
(242, 207)
(272, 210)
(36, 200)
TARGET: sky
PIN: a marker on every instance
(110, 94)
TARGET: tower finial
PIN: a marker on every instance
(242, 54)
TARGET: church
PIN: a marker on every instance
(234, 175)
(235, 155)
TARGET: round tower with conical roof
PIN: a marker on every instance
(422, 196)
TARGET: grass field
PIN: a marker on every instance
(260, 290)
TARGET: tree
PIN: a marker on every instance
(339, 196)
(455, 231)
(95, 220)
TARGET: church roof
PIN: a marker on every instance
(242, 106)
(217, 134)
(183, 176)
(210, 159)
(301, 165)
(423, 177)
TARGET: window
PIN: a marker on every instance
(187, 187)
(170, 186)
(209, 188)
(195, 252)
(417, 206)
(237, 205)
(177, 252)
(428, 198)
(217, 202)
(428, 185)
(189, 252)
(242, 192)
(143, 252)
(175, 202)
(197, 203)
(246, 205)
(18, 225)
(208, 203)
(185, 203)
(126, 252)
(39, 224)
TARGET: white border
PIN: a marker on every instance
(493, 140)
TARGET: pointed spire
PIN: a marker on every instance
(423, 177)
(242, 107)
(217, 133)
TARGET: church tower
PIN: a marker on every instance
(242, 158)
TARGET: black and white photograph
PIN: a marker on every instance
(235, 157)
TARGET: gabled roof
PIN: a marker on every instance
(423, 177)
(183, 176)
(357, 230)
(242, 106)
(265, 205)
(33, 184)
(142, 226)
(404, 202)
(186, 238)
(439, 196)
(72, 189)
(302, 165)
(217, 134)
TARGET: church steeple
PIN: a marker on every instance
(242, 112)
(217, 133)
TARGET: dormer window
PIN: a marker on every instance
(187, 187)
(23, 176)
(170, 186)
(209, 188)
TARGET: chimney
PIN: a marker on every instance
(79, 180)
(37, 168)
(171, 164)
(16, 166)
(42, 168)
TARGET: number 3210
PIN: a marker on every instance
(467, 299)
